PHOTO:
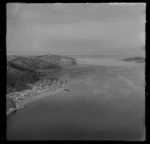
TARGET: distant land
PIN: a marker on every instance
(32, 74)
(140, 51)
(135, 59)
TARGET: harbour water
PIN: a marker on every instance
(105, 101)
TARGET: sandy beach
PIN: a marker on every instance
(41, 95)
(36, 96)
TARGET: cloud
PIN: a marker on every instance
(40, 27)
(16, 8)
(142, 38)
(113, 31)
(59, 6)
(82, 35)
(124, 4)
(81, 30)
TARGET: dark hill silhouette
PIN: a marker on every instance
(17, 79)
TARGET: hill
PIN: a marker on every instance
(24, 70)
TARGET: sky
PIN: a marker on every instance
(87, 28)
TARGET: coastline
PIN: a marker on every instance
(36, 96)
(41, 95)
(9, 112)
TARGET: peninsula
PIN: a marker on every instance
(29, 76)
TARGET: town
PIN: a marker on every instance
(18, 98)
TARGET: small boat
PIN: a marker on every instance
(66, 90)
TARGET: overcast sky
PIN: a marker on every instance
(75, 28)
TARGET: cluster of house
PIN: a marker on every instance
(37, 87)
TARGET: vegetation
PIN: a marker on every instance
(23, 70)
(17, 79)
(27, 75)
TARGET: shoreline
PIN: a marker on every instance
(37, 96)
(41, 95)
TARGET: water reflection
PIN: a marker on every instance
(101, 105)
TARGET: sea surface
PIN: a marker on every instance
(105, 101)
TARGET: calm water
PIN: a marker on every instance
(104, 103)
